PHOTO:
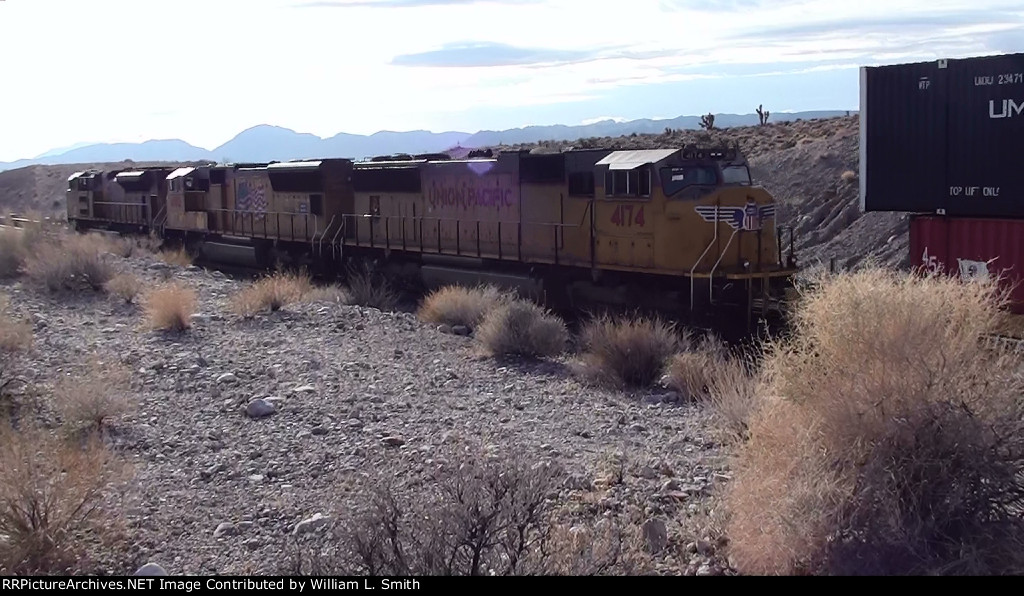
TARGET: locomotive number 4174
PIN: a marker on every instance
(627, 216)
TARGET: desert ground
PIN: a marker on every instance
(162, 415)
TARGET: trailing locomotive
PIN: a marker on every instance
(682, 229)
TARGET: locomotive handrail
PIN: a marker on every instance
(459, 224)
(696, 263)
(320, 246)
(720, 257)
(120, 208)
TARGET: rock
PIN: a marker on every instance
(225, 529)
(444, 328)
(200, 318)
(260, 408)
(460, 330)
(304, 389)
(393, 441)
(704, 547)
(227, 378)
(150, 569)
(309, 525)
(705, 570)
(670, 486)
(318, 430)
(655, 535)
(648, 472)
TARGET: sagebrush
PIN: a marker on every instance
(52, 496)
(459, 305)
(70, 262)
(170, 307)
(477, 517)
(888, 436)
(271, 293)
(522, 328)
(630, 350)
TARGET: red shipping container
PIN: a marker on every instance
(971, 248)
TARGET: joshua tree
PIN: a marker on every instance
(762, 114)
(707, 122)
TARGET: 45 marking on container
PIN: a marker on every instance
(931, 263)
(625, 216)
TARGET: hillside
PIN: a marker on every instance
(275, 143)
(802, 163)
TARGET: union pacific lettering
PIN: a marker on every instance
(466, 194)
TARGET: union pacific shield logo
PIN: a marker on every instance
(749, 217)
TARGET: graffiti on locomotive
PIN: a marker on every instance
(468, 193)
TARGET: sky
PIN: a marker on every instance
(76, 71)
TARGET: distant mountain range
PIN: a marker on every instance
(269, 143)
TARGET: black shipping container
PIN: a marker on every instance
(944, 137)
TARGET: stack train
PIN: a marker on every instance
(681, 229)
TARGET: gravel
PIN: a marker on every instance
(250, 435)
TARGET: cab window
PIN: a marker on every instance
(674, 180)
(736, 175)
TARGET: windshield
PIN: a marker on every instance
(674, 180)
(736, 175)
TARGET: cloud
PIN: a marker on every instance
(492, 54)
(853, 27)
(402, 3)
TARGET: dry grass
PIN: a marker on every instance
(628, 351)
(458, 305)
(888, 438)
(96, 394)
(520, 327)
(125, 286)
(848, 176)
(272, 293)
(51, 498)
(70, 262)
(369, 288)
(178, 257)
(170, 307)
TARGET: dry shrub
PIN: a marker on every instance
(12, 252)
(520, 327)
(849, 176)
(125, 286)
(271, 293)
(888, 439)
(94, 395)
(178, 257)
(457, 305)
(71, 262)
(51, 498)
(498, 517)
(629, 351)
(14, 337)
(369, 288)
(170, 307)
(330, 293)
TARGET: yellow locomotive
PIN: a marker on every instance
(680, 227)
